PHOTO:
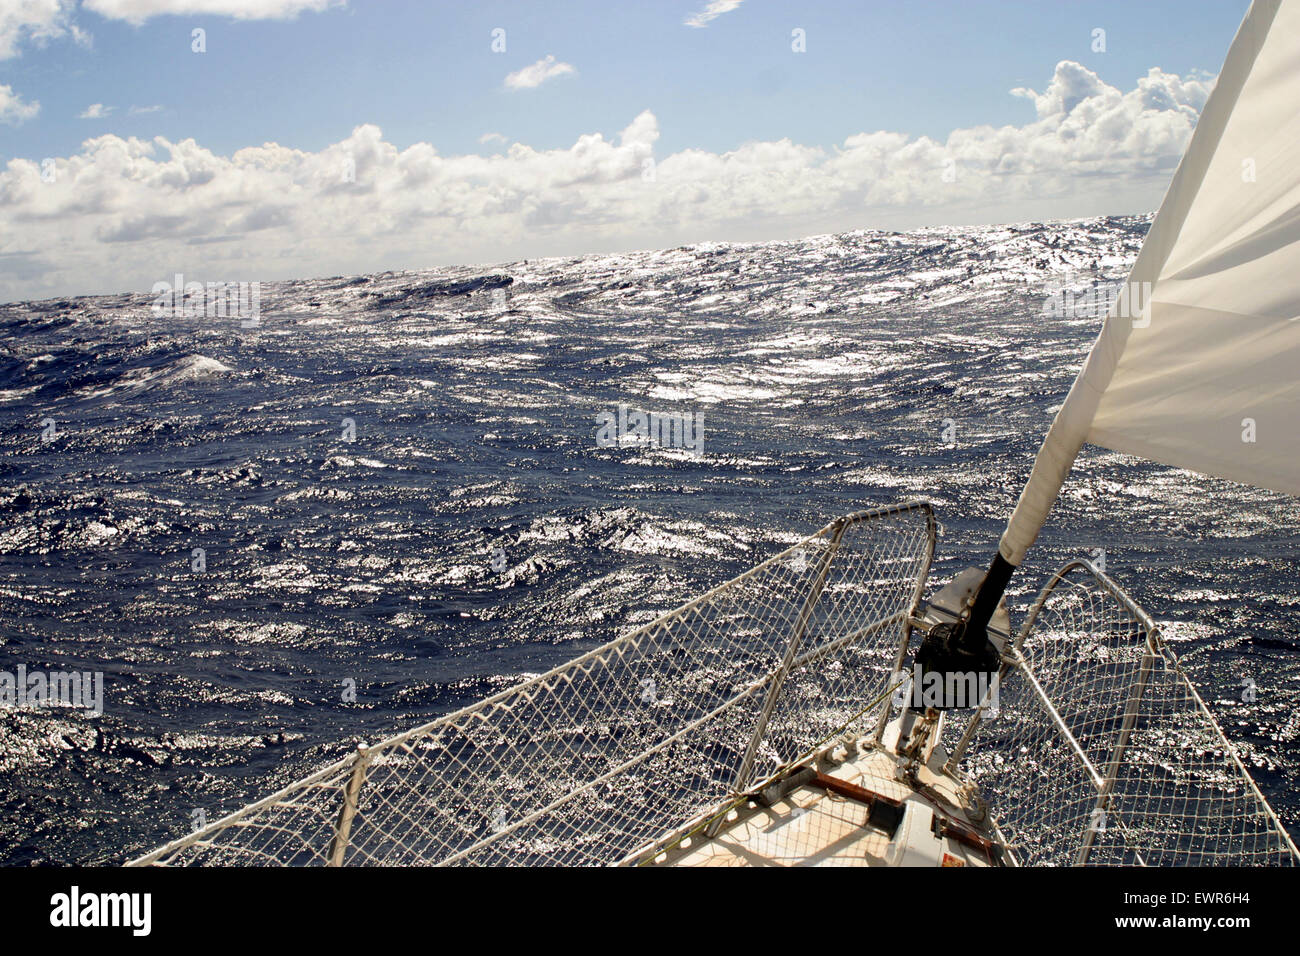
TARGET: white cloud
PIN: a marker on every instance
(36, 21)
(125, 213)
(140, 110)
(95, 111)
(491, 138)
(537, 73)
(1074, 85)
(138, 11)
(712, 10)
(13, 108)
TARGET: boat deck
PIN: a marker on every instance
(814, 825)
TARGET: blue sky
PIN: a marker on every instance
(425, 73)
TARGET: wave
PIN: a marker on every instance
(146, 378)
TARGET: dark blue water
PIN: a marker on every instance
(826, 371)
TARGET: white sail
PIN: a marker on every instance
(1198, 364)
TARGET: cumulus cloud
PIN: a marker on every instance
(13, 108)
(537, 73)
(127, 212)
(95, 111)
(36, 21)
(138, 11)
(491, 138)
(1074, 85)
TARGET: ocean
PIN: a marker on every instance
(389, 496)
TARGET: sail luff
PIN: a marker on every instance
(1074, 422)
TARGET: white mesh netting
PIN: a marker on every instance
(596, 760)
(1102, 753)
